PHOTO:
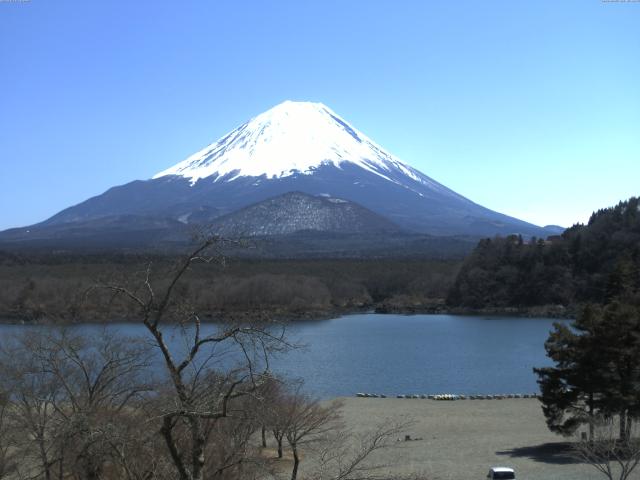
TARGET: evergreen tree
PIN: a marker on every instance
(618, 334)
(596, 372)
(570, 389)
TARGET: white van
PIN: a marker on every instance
(501, 473)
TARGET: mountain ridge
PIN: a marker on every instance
(295, 146)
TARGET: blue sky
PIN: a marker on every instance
(528, 108)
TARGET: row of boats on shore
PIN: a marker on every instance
(451, 396)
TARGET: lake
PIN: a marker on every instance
(408, 354)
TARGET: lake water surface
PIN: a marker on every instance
(407, 354)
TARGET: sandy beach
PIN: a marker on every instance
(463, 439)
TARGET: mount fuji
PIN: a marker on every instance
(293, 147)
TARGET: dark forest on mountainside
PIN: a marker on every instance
(590, 263)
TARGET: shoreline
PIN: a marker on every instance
(382, 308)
(546, 311)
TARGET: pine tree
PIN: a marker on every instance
(569, 390)
(618, 334)
(597, 370)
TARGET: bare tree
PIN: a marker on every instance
(201, 389)
(278, 425)
(272, 412)
(7, 460)
(306, 421)
(136, 451)
(268, 401)
(344, 455)
(33, 395)
(99, 378)
(615, 457)
(232, 449)
(68, 395)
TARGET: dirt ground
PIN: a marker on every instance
(463, 439)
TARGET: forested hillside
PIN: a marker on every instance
(587, 263)
(53, 287)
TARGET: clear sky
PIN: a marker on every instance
(529, 108)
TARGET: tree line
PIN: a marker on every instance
(54, 288)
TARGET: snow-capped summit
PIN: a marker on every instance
(290, 138)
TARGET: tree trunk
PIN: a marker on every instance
(591, 426)
(92, 472)
(199, 441)
(167, 433)
(264, 436)
(279, 447)
(61, 467)
(46, 465)
(623, 425)
(296, 462)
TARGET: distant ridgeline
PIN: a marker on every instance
(591, 263)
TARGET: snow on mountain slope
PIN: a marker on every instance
(290, 138)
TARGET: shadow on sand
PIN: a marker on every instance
(558, 453)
